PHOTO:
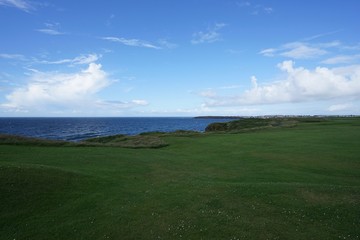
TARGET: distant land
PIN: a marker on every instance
(274, 116)
(220, 117)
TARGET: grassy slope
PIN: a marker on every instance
(291, 183)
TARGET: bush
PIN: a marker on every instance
(216, 127)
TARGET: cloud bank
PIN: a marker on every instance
(299, 85)
(66, 92)
(58, 88)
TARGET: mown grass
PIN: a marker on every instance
(301, 182)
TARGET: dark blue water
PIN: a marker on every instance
(75, 129)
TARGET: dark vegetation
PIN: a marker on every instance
(249, 124)
(21, 140)
(139, 141)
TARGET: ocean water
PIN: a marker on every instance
(76, 129)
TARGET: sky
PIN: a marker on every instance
(120, 58)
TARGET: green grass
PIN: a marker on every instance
(301, 182)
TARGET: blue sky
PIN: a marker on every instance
(179, 58)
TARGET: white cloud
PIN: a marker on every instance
(208, 93)
(13, 56)
(140, 102)
(351, 47)
(231, 87)
(20, 4)
(254, 82)
(243, 4)
(161, 43)
(82, 59)
(342, 59)
(258, 9)
(268, 10)
(204, 110)
(340, 107)
(121, 104)
(321, 35)
(255, 9)
(132, 42)
(209, 36)
(329, 44)
(50, 91)
(51, 29)
(299, 85)
(166, 44)
(109, 20)
(298, 50)
(59, 88)
(79, 60)
(269, 52)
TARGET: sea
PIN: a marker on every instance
(77, 129)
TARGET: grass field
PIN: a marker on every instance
(301, 181)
